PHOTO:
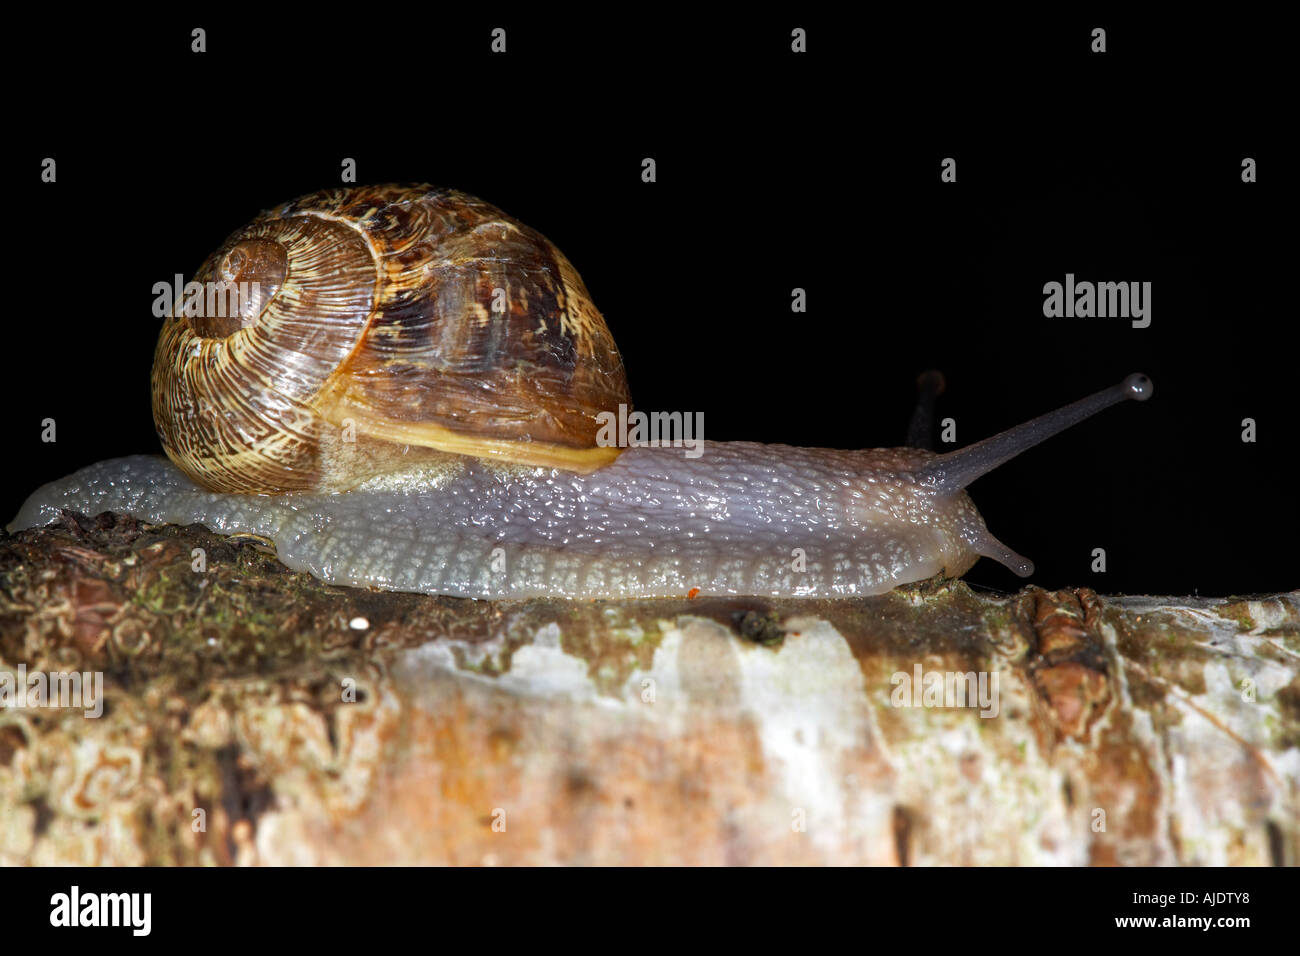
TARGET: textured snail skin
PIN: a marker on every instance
(652, 524)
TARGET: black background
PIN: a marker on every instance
(774, 171)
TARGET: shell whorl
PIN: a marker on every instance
(425, 319)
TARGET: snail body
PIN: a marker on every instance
(464, 353)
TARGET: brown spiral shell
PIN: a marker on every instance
(374, 341)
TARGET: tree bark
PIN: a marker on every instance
(255, 715)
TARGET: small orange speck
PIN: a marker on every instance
(692, 593)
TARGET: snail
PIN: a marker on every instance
(411, 399)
